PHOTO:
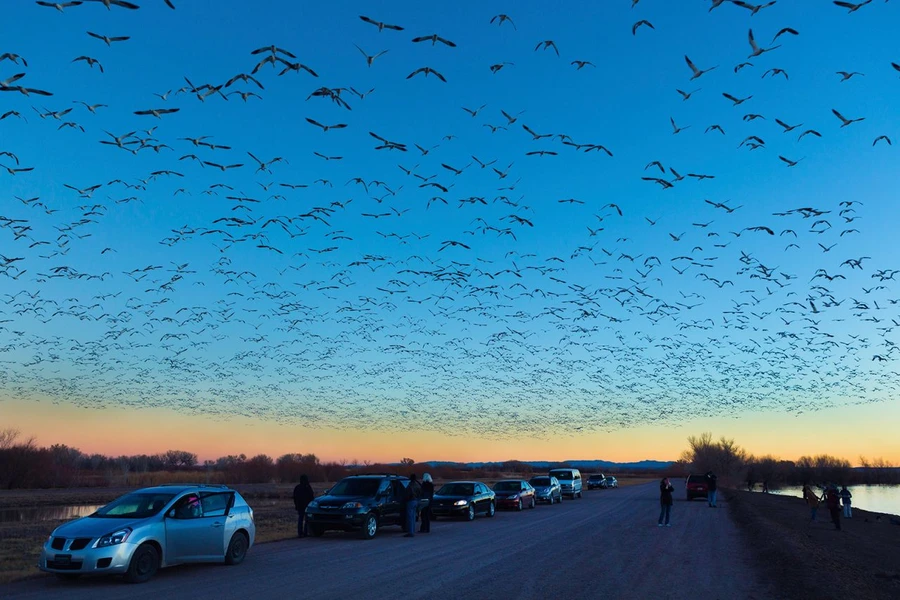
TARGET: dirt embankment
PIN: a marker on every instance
(805, 559)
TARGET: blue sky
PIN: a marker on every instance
(362, 322)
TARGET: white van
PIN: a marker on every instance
(569, 481)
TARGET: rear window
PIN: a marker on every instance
(356, 487)
(696, 479)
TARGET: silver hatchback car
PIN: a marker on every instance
(150, 528)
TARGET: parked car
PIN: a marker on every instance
(696, 487)
(611, 482)
(463, 499)
(514, 493)
(596, 482)
(145, 530)
(569, 481)
(546, 489)
(363, 503)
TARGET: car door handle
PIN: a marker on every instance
(216, 524)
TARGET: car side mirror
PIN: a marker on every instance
(171, 514)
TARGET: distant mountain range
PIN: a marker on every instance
(582, 465)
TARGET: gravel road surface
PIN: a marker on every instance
(604, 545)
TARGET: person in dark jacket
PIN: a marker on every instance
(833, 502)
(711, 486)
(413, 493)
(665, 502)
(303, 495)
(427, 494)
(846, 497)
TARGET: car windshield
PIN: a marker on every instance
(356, 487)
(563, 475)
(596, 478)
(507, 486)
(457, 489)
(540, 482)
(134, 506)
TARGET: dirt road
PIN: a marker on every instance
(606, 544)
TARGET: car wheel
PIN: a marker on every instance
(370, 527)
(143, 565)
(237, 548)
(533, 502)
(491, 509)
(470, 516)
(316, 530)
(520, 506)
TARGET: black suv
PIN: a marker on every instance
(363, 503)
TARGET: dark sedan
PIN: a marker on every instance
(514, 493)
(546, 489)
(463, 499)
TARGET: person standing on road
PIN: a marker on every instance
(665, 502)
(845, 500)
(711, 487)
(833, 502)
(427, 494)
(413, 493)
(812, 501)
(303, 495)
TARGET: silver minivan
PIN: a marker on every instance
(569, 481)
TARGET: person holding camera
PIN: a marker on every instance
(665, 502)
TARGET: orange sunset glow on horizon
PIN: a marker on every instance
(119, 431)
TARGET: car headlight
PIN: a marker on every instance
(513, 497)
(460, 503)
(351, 506)
(116, 537)
(313, 504)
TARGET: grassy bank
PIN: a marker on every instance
(811, 559)
(273, 507)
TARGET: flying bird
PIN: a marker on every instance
(639, 24)
(501, 19)
(434, 38)
(697, 72)
(381, 26)
(427, 71)
(107, 39)
(845, 121)
(757, 51)
(547, 44)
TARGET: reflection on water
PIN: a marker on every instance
(46, 513)
(876, 498)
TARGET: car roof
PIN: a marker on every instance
(513, 480)
(183, 487)
(375, 476)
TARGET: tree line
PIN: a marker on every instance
(25, 465)
(735, 466)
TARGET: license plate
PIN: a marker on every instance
(63, 559)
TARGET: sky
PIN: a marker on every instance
(429, 276)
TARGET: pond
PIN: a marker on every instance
(875, 498)
(46, 513)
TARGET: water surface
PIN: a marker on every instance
(876, 498)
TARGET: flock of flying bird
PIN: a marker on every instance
(442, 292)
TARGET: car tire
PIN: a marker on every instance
(237, 548)
(143, 565)
(520, 506)
(316, 530)
(533, 502)
(370, 527)
(470, 515)
(491, 509)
